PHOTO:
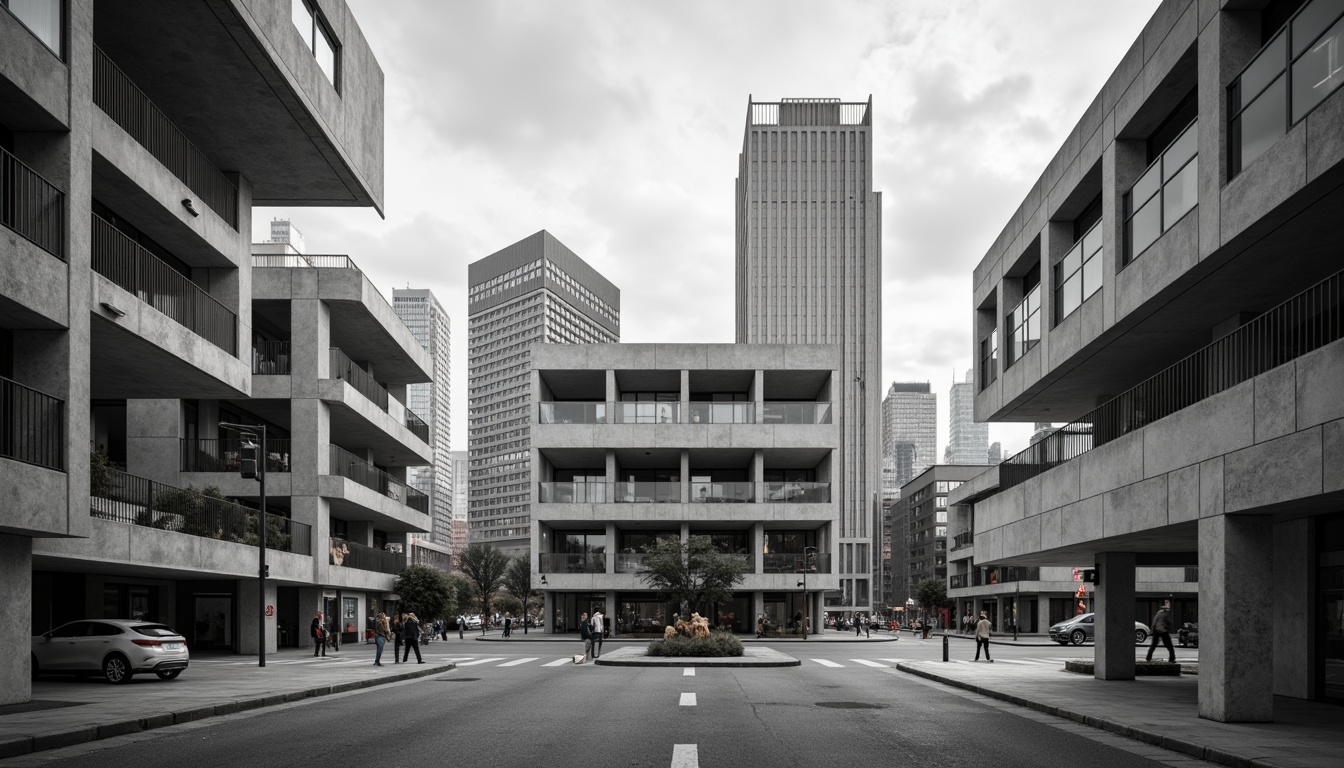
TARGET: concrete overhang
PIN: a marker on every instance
(34, 82)
(982, 485)
(237, 79)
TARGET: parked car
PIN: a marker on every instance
(1188, 635)
(474, 621)
(115, 648)
(1082, 628)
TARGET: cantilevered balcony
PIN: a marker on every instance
(348, 554)
(345, 369)
(225, 455)
(32, 426)
(351, 467)
(270, 358)
(31, 206)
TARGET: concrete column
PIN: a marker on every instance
(1114, 605)
(611, 560)
(1236, 574)
(248, 618)
(153, 439)
(758, 548)
(1293, 583)
(547, 612)
(16, 573)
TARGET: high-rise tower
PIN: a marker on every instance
(809, 271)
(534, 291)
(428, 323)
(910, 428)
(968, 440)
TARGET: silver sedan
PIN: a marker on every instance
(1082, 628)
(114, 648)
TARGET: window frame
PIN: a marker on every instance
(1158, 196)
(319, 26)
(1016, 327)
(989, 359)
(1084, 260)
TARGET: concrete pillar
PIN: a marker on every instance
(1236, 574)
(1114, 605)
(248, 617)
(153, 439)
(16, 573)
(1294, 584)
(611, 562)
(547, 612)
(758, 548)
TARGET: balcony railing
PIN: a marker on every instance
(1304, 323)
(32, 426)
(957, 581)
(417, 426)
(301, 261)
(432, 558)
(270, 358)
(124, 262)
(794, 562)
(572, 493)
(981, 577)
(343, 368)
(129, 107)
(348, 554)
(562, 562)
(31, 206)
(722, 493)
(661, 412)
(657, 492)
(721, 413)
(964, 539)
(796, 492)
(670, 492)
(351, 467)
(795, 413)
(573, 413)
(645, 413)
(631, 562)
(124, 498)
(223, 455)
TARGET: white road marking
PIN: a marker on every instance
(479, 661)
(826, 663)
(566, 660)
(895, 661)
(688, 699)
(516, 662)
(868, 663)
(685, 756)
(688, 672)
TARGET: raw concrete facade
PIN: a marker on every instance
(126, 283)
(1202, 378)
(744, 450)
(806, 208)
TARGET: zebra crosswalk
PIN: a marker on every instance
(466, 660)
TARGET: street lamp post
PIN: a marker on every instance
(809, 562)
(249, 432)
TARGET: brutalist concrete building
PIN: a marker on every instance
(135, 139)
(1170, 288)
(634, 443)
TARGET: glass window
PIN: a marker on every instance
(1181, 193)
(1259, 125)
(303, 21)
(1320, 71)
(989, 358)
(325, 51)
(313, 29)
(1144, 229)
(42, 18)
(1267, 66)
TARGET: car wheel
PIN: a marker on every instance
(1140, 636)
(1078, 636)
(116, 669)
(36, 671)
(168, 674)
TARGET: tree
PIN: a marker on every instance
(518, 580)
(427, 592)
(932, 595)
(484, 566)
(694, 575)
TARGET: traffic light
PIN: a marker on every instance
(248, 458)
(1092, 576)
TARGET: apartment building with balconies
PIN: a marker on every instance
(1169, 290)
(134, 140)
(634, 443)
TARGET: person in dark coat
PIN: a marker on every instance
(1162, 632)
(318, 631)
(410, 637)
(396, 637)
(586, 634)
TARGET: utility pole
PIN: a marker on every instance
(253, 465)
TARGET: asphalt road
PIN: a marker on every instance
(514, 704)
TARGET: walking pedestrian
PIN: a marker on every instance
(318, 631)
(508, 624)
(1162, 631)
(397, 622)
(599, 625)
(381, 631)
(858, 624)
(334, 634)
(982, 637)
(410, 637)
(866, 624)
(461, 626)
(586, 634)
(443, 629)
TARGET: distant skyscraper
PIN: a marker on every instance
(428, 323)
(1043, 428)
(284, 231)
(460, 485)
(910, 416)
(968, 440)
(532, 292)
(809, 271)
(995, 453)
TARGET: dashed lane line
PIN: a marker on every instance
(688, 672)
(559, 662)
(868, 663)
(479, 661)
(685, 756)
(827, 663)
(516, 662)
(688, 700)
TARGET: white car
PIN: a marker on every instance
(115, 648)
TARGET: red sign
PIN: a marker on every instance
(270, 610)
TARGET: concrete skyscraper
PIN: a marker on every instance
(428, 323)
(534, 291)
(968, 440)
(809, 271)
(910, 428)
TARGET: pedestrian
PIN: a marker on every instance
(982, 637)
(381, 631)
(334, 634)
(461, 626)
(599, 625)
(967, 622)
(443, 629)
(866, 632)
(760, 625)
(1162, 631)
(586, 634)
(397, 622)
(318, 631)
(410, 637)
(508, 624)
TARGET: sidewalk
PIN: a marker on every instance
(829, 636)
(68, 710)
(1156, 710)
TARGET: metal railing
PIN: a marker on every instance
(669, 492)
(348, 554)
(270, 358)
(417, 426)
(345, 369)
(662, 412)
(963, 539)
(957, 581)
(1302, 324)
(351, 467)
(124, 262)
(129, 107)
(723, 493)
(573, 413)
(645, 413)
(721, 413)
(432, 558)
(31, 206)
(795, 413)
(650, 491)
(224, 455)
(562, 562)
(32, 426)
(572, 493)
(792, 492)
(123, 498)
(298, 260)
(794, 562)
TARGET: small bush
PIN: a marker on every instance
(717, 644)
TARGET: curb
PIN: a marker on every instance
(1210, 754)
(24, 745)
(702, 663)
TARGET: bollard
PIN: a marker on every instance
(944, 646)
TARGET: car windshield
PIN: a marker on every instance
(154, 630)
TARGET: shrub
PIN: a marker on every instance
(717, 644)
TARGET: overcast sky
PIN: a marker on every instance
(617, 125)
